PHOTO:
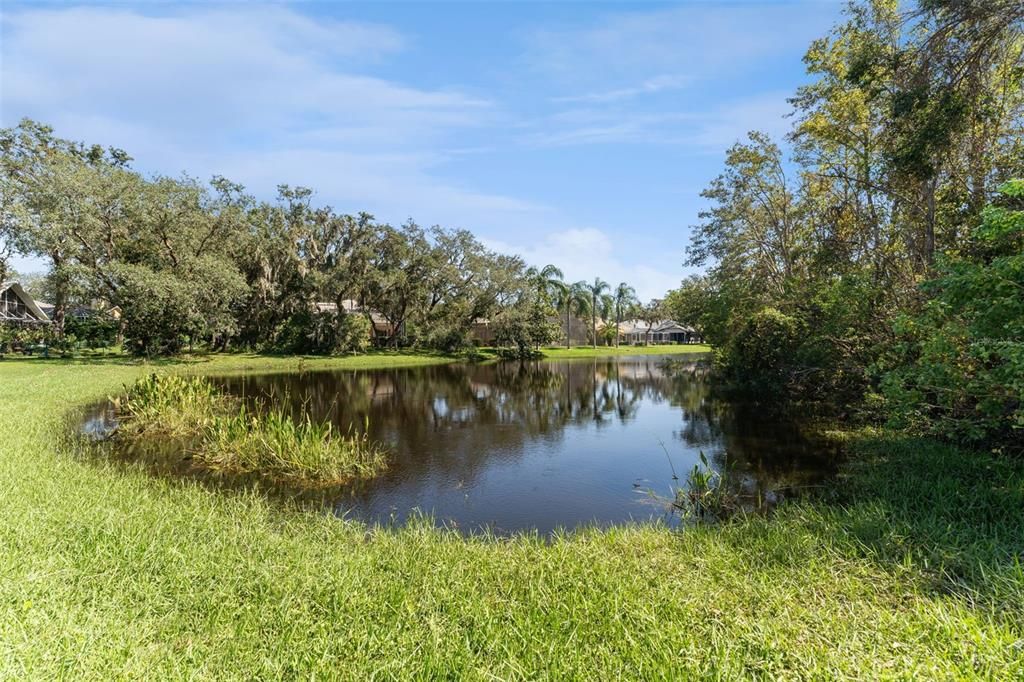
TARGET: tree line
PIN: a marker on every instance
(879, 264)
(189, 263)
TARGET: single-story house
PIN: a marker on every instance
(17, 307)
(663, 331)
(382, 329)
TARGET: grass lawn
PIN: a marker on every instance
(912, 568)
(554, 352)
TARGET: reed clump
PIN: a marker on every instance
(277, 445)
(169, 405)
(707, 495)
(226, 436)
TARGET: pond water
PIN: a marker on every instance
(542, 445)
(539, 445)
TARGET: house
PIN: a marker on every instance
(81, 312)
(382, 329)
(663, 331)
(17, 307)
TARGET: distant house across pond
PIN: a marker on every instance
(18, 308)
(382, 329)
(664, 331)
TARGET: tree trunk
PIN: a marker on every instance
(593, 319)
(929, 229)
(568, 326)
(60, 297)
(618, 321)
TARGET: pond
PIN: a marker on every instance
(542, 445)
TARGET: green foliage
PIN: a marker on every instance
(707, 495)
(229, 438)
(909, 123)
(521, 331)
(958, 371)
(20, 337)
(165, 310)
(323, 333)
(94, 331)
(762, 355)
(168, 405)
(276, 446)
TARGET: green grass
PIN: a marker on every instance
(911, 570)
(226, 437)
(606, 351)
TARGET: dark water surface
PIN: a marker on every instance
(542, 445)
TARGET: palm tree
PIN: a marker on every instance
(572, 298)
(596, 290)
(547, 281)
(625, 296)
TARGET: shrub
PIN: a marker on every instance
(958, 369)
(324, 333)
(760, 356)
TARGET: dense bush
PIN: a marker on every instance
(95, 331)
(324, 333)
(761, 356)
(521, 331)
(958, 370)
(16, 337)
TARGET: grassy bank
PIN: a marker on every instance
(913, 571)
(607, 351)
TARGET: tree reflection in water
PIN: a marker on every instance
(539, 444)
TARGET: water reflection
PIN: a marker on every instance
(541, 444)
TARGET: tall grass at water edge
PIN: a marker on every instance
(225, 436)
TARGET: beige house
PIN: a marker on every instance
(664, 331)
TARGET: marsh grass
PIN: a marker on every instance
(223, 435)
(168, 405)
(274, 444)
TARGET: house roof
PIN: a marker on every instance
(350, 306)
(662, 326)
(18, 291)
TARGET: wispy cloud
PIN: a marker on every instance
(696, 50)
(695, 41)
(701, 130)
(648, 87)
(263, 95)
(585, 253)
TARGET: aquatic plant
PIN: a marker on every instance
(225, 436)
(169, 404)
(274, 444)
(707, 494)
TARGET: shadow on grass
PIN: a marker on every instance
(228, 360)
(952, 519)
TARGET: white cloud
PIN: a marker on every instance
(586, 253)
(214, 74)
(263, 95)
(695, 57)
(649, 86)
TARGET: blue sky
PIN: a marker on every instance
(574, 133)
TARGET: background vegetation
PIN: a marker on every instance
(880, 266)
(185, 264)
